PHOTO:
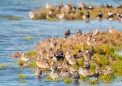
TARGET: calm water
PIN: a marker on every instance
(13, 31)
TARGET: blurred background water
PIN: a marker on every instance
(12, 32)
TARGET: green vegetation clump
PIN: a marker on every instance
(67, 80)
(108, 49)
(11, 17)
(52, 19)
(22, 76)
(20, 62)
(3, 66)
(31, 54)
(117, 68)
(49, 78)
(93, 82)
(23, 81)
(92, 67)
(83, 78)
(33, 64)
(64, 46)
(80, 62)
(28, 38)
(107, 78)
(79, 47)
(104, 49)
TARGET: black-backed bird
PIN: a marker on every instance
(100, 15)
(110, 16)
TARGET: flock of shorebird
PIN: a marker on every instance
(67, 68)
(86, 16)
(111, 15)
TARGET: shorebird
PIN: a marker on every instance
(70, 58)
(42, 63)
(87, 55)
(119, 17)
(96, 75)
(90, 7)
(90, 41)
(102, 5)
(38, 73)
(56, 62)
(54, 75)
(82, 5)
(97, 69)
(100, 15)
(60, 5)
(41, 51)
(53, 44)
(59, 55)
(60, 16)
(65, 65)
(119, 6)
(73, 7)
(49, 14)
(65, 73)
(49, 55)
(76, 76)
(108, 67)
(79, 33)
(111, 58)
(67, 33)
(59, 52)
(48, 6)
(86, 65)
(112, 30)
(110, 16)
(91, 50)
(32, 14)
(25, 58)
(80, 54)
(107, 70)
(109, 6)
(85, 72)
(54, 66)
(15, 54)
(95, 32)
(86, 17)
(73, 69)
(67, 8)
